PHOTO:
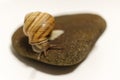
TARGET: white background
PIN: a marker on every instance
(103, 63)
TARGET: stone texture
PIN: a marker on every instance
(81, 33)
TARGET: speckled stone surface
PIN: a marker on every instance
(81, 33)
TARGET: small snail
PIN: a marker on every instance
(37, 27)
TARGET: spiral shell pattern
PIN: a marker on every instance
(37, 26)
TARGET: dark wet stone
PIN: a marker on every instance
(81, 33)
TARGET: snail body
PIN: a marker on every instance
(37, 27)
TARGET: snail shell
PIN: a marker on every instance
(37, 26)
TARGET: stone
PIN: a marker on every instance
(81, 31)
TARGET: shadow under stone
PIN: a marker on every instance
(46, 68)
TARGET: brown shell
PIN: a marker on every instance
(37, 26)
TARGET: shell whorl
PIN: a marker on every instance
(37, 26)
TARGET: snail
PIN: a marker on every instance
(37, 27)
